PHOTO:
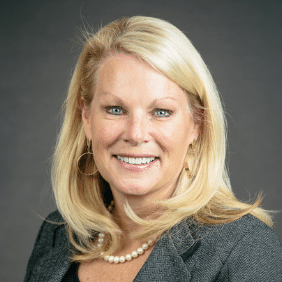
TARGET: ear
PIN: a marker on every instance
(86, 119)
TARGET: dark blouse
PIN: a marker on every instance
(72, 274)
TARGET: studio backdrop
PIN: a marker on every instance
(241, 43)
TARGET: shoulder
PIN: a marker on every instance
(55, 216)
(255, 251)
(53, 227)
(51, 239)
(247, 232)
(53, 223)
(53, 220)
(230, 234)
(238, 250)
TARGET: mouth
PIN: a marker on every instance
(136, 160)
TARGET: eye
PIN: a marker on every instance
(114, 110)
(162, 113)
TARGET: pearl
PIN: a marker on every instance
(145, 246)
(122, 259)
(128, 257)
(101, 235)
(140, 251)
(106, 258)
(134, 254)
(111, 259)
(116, 260)
(100, 240)
(150, 242)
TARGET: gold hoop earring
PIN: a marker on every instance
(192, 146)
(191, 151)
(85, 162)
(186, 165)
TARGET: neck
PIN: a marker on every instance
(142, 208)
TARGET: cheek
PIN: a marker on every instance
(175, 139)
(104, 134)
(172, 138)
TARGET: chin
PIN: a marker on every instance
(135, 190)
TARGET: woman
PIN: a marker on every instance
(139, 174)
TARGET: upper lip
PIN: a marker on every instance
(136, 155)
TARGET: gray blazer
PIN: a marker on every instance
(244, 250)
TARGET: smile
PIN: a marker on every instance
(136, 161)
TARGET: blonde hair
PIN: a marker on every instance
(206, 196)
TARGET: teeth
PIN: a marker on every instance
(137, 161)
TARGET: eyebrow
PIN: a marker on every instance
(121, 101)
(108, 93)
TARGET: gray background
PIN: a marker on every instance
(239, 40)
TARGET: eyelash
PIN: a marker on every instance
(110, 109)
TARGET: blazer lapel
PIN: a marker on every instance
(166, 261)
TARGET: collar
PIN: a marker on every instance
(166, 262)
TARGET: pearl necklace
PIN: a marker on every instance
(128, 257)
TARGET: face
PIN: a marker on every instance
(140, 126)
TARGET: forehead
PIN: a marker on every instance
(125, 74)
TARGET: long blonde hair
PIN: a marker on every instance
(204, 195)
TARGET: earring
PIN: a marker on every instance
(85, 162)
(191, 151)
(192, 146)
(186, 166)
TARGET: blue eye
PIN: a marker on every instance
(162, 113)
(114, 110)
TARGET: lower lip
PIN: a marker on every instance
(135, 167)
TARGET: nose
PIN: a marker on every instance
(137, 130)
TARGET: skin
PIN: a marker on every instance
(136, 112)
